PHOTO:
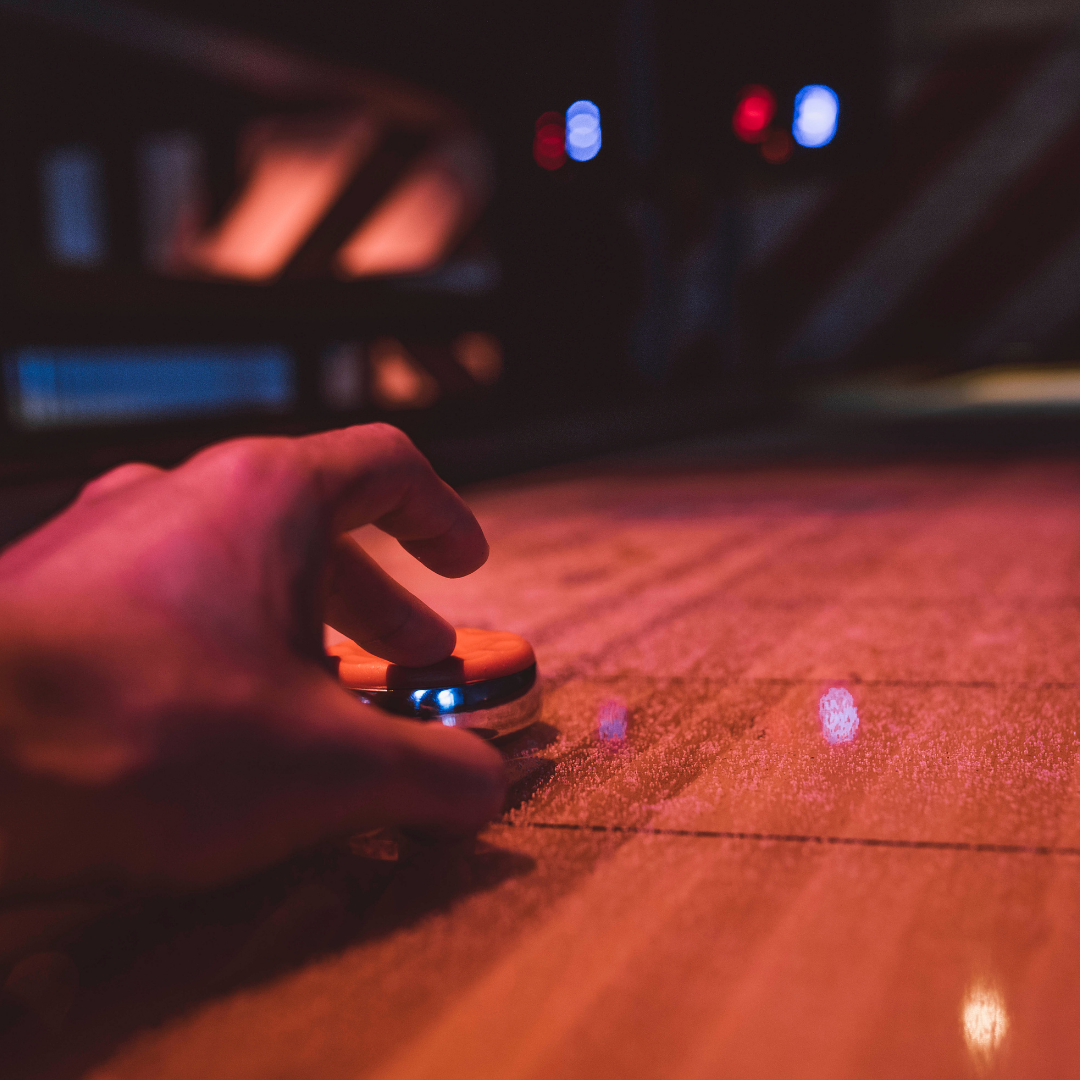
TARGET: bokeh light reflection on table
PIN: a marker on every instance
(985, 1023)
(838, 715)
(612, 721)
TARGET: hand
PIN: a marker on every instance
(168, 715)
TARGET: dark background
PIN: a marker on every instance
(646, 294)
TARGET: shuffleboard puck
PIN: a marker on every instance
(487, 685)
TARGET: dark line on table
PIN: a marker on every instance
(799, 838)
(558, 681)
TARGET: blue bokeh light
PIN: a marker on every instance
(583, 135)
(63, 385)
(73, 198)
(817, 114)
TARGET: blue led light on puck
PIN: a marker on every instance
(488, 686)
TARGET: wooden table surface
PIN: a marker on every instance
(723, 893)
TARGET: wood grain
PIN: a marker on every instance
(725, 894)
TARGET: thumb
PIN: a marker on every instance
(325, 764)
(409, 772)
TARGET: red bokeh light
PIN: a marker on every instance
(549, 145)
(754, 114)
(777, 148)
(549, 118)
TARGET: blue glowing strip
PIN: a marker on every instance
(68, 385)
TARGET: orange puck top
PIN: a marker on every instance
(479, 655)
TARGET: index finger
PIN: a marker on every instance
(373, 474)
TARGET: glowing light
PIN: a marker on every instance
(412, 228)
(341, 376)
(583, 135)
(480, 355)
(549, 144)
(777, 148)
(754, 114)
(817, 113)
(73, 200)
(445, 698)
(985, 1022)
(172, 170)
(62, 386)
(399, 382)
(296, 170)
(612, 721)
(449, 721)
(839, 717)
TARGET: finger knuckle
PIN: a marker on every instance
(129, 471)
(252, 463)
(392, 438)
(399, 453)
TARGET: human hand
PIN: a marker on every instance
(169, 719)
